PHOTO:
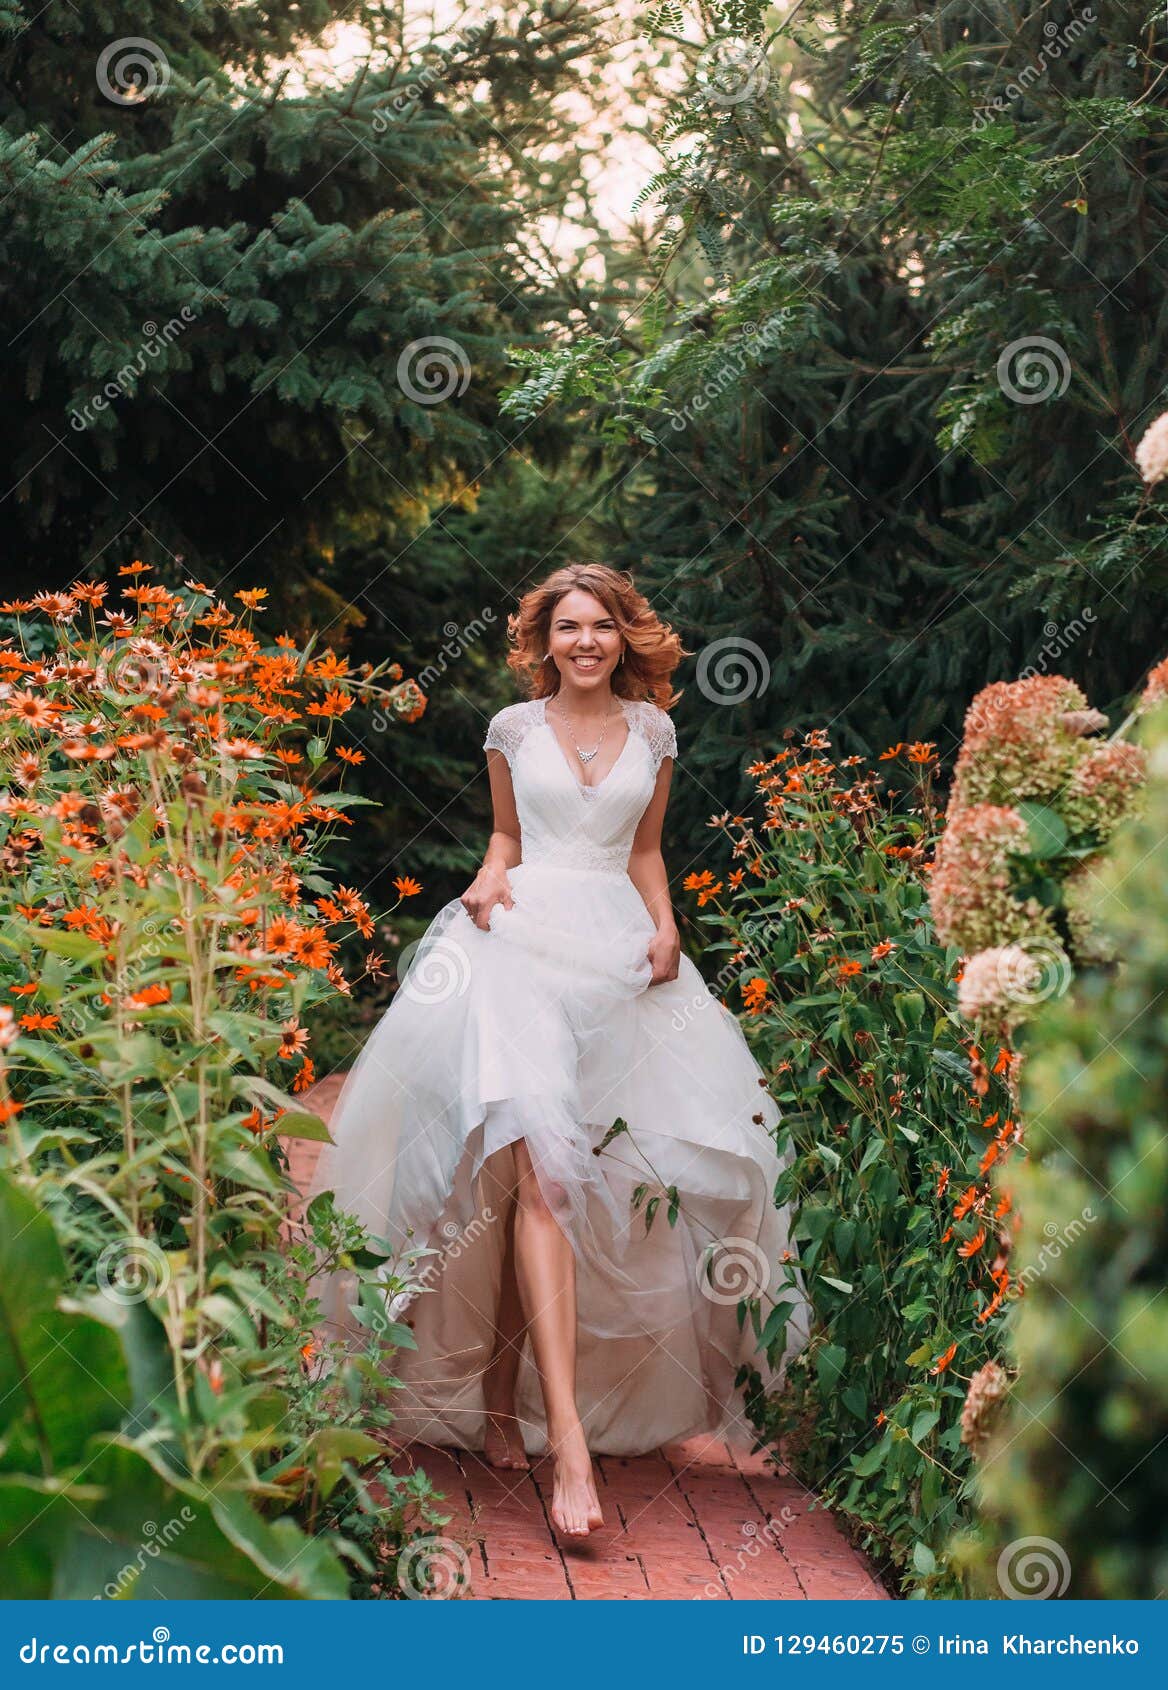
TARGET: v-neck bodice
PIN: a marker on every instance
(564, 821)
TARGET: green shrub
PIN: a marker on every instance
(847, 996)
(165, 920)
(1072, 1478)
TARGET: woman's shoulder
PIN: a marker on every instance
(656, 725)
(507, 726)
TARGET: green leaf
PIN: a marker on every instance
(839, 1284)
(1045, 827)
(924, 1423)
(923, 1559)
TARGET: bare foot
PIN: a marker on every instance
(575, 1506)
(503, 1441)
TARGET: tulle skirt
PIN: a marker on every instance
(545, 1028)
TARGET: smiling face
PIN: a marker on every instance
(584, 642)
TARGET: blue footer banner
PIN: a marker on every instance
(755, 1644)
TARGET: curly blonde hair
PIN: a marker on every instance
(652, 651)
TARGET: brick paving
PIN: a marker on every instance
(692, 1520)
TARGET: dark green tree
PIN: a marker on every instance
(256, 311)
(874, 424)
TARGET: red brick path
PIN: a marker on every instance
(691, 1520)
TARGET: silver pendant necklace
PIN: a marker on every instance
(584, 756)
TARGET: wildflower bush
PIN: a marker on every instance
(846, 991)
(1024, 882)
(1071, 1477)
(166, 923)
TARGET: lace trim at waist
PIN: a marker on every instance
(580, 854)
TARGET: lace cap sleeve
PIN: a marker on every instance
(505, 731)
(661, 735)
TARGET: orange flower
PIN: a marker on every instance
(921, 752)
(695, 882)
(252, 597)
(348, 755)
(943, 1182)
(26, 990)
(406, 886)
(883, 949)
(1005, 1057)
(754, 995)
(847, 970)
(943, 1361)
(974, 1244)
(32, 1021)
(157, 993)
(293, 1039)
(988, 1160)
(335, 703)
(34, 712)
(965, 1202)
(305, 1076)
(893, 751)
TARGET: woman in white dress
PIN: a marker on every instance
(581, 1286)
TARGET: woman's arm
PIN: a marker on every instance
(490, 885)
(647, 873)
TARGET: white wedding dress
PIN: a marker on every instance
(544, 1027)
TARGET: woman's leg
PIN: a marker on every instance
(502, 1439)
(545, 1268)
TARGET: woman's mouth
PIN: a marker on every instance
(586, 662)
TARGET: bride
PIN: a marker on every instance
(556, 1120)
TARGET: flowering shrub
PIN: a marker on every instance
(846, 998)
(1071, 1463)
(1035, 799)
(166, 924)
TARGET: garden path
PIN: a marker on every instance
(693, 1519)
